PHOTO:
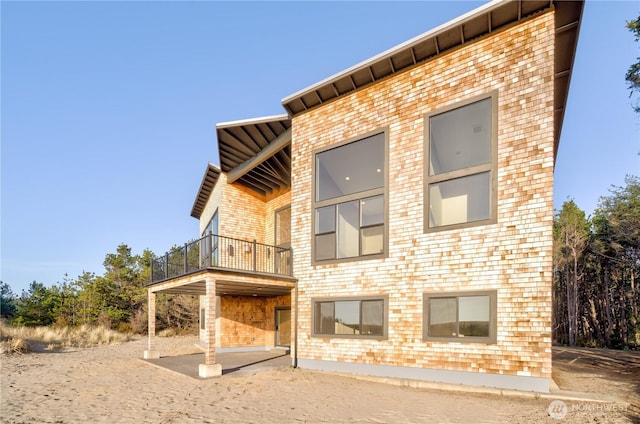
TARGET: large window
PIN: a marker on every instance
(461, 157)
(349, 207)
(461, 317)
(209, 245)
(354, 317)
(283, 240)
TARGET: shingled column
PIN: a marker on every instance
(151, 352)
(210, 368)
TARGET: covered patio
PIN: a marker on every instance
(209, 283)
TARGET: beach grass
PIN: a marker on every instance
(25, 339)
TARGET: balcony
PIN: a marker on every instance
(218, 252)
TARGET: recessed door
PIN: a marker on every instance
(283, 327)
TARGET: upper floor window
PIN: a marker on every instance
(461, 157)
(349, 207)
(209, 243)
(283, 227)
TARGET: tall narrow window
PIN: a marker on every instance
(349, 211)
(461, 172)
(209, 243)
(282, 255)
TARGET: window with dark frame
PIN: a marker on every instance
(349, 207)
(209, 246)
(460, 317)
(354, 317)
(461, 170)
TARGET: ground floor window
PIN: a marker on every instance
(362, 317)
(460, 317)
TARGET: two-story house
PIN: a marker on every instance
(397, 221)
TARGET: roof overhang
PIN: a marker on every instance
(209, 181)
(257, 152)
(480, 22)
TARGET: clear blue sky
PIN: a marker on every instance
(109, 109)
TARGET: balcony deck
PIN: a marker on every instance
(239, 267)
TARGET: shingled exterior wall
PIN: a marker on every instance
(245, 322)
(512, 256)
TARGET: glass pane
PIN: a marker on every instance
(372, 209)
(460, 200)
(372, 317)
(325, 246)
(460, 138)
(214, 239)
(372, 240)
(348, 229)
(283, 327)
(347, 314)
(323, 320)
(351, 168)
(283, 227)
(442, 317)
(326, 219)
(214, 224)
(474, 315)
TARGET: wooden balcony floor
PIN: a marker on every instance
(228, 282)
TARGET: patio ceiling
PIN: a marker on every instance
(480, 22)
(257, 153)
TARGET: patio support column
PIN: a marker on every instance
(210, 368)
(151, 352)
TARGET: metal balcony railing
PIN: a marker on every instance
(213, 251)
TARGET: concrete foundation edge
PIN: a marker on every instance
(511, 382)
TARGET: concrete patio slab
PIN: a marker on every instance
(233, 363)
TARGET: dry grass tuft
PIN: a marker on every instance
(14, 346)
(16, 339)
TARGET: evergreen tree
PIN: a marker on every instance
(7, 301)
(633, 74)
(37, 305)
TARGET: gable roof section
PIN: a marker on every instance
(464, 29)
(209, 181)
(257, 152)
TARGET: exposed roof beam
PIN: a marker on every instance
(232, 141)
(283, 169)
(269, 178)
(256, 184)
(274, 147)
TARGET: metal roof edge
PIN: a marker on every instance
(252, 121)
(393, 50)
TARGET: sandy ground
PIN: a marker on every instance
(111, 384)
